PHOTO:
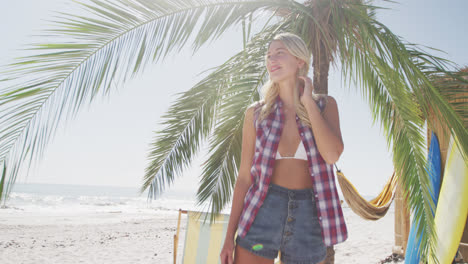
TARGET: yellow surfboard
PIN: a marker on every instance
(452, 208)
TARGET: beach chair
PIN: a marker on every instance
(203, 239)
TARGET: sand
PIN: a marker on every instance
(116, 237)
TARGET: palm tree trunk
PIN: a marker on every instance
(321, 65)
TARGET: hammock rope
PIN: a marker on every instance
(369, 210)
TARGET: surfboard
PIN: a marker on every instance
(452, 208)
(412, 255)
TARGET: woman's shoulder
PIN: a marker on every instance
(330, 98)
(326, 101)
(256, 105)
(330, 101)
(254, 108)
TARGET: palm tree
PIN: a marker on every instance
(96, 53)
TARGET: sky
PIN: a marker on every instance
(108, 142)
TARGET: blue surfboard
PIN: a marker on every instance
(412, 255)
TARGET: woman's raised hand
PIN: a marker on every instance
(306, 96)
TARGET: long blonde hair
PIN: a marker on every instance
(297, 47)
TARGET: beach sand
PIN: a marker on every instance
(116, 237)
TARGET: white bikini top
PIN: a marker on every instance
(300, 153)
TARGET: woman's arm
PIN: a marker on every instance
(326, 126)
(243, 184)
(326, 129)
(243, 181)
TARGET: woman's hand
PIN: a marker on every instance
(306, 96)
(227, 252)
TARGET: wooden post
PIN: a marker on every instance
(402, 222)
(464, 241)
(176, 236)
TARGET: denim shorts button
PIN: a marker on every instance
(290, 219)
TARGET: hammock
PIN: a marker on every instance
(370, 210)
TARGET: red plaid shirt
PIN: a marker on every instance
(268, 133)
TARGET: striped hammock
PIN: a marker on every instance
(369, 210)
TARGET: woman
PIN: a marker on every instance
(285, 197)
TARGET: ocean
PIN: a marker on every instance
(35, 197)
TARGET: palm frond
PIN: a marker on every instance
(399, 94)
(192, 116)
(92, 54)
(221, 167)
(187, 122)
(434, 105)
(453, 86)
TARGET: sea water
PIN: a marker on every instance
(34, 197)
(66, 198)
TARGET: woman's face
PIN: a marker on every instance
(280, 63)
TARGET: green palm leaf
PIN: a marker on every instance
(187, 122)
(246, 76)
(191, 117)
(99, 52)
(399, 94)
(454, 88)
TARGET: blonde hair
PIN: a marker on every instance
(297, 47)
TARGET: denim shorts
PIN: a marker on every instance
(286, 221)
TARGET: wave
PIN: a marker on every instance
(70, 198)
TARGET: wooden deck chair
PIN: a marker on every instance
(203, 240)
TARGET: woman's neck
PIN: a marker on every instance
(286, 93)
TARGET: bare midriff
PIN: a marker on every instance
(291, 174)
